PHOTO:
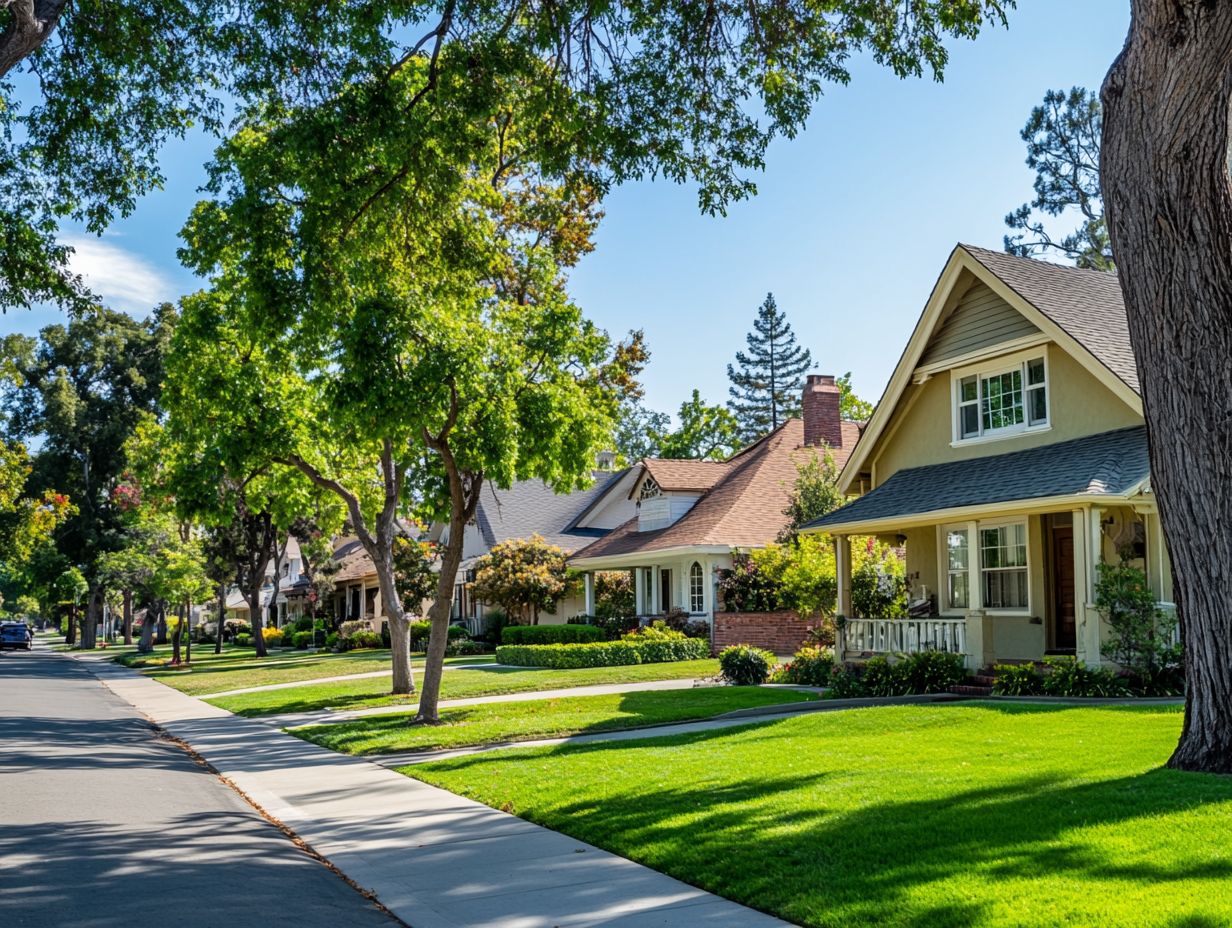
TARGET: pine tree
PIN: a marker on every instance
(766, 387)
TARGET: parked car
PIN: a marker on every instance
(15, 635)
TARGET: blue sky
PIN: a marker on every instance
(853, 220)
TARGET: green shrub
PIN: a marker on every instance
(550, 634)
(881, 678)
(933, 671)
(845, 683)
(301, 640)
(810, 666)
(364, 639)
(745, 665)
(420, 629)
(301, 624)
(1067, 677)
(1018, 680)
(243, 640)
(612, 626)
(602, 653)
(655, 631)
(466, 646)
(331, 641)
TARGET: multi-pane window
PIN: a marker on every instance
(1003, 565)
(697, 588)
(958, 577)
(1004, 401)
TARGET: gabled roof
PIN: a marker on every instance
(1108, 464)
(743, 509)
(1081, 310)
(1087, 304)
(674, 474)
(531, 507)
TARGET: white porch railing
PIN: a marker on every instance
(905, 636)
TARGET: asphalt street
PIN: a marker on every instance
(103, 823)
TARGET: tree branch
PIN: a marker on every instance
(30, 25)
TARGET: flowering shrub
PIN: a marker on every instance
(272, 636)
(810, 666)
(524, 576)
(803, 577)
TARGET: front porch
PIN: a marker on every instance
(663, 582)
(1005, 584)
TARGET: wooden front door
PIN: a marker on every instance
(1064, 636)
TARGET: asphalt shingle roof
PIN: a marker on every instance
(532, 507)
(1086, 304)
(1110, 463)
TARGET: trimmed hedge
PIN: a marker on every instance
(551, 634)
(603, 653)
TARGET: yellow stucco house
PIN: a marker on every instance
(1008, 456)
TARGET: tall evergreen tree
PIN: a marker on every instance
(766, 386)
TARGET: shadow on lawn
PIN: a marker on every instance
(817, 852)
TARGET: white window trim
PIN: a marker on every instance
(975, 567)
(701, 589)
(1000, 365)
(979, 561)
(943, 563)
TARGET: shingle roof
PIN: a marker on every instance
(1086, 304)
(531, 507)
(673, 474)
(743, 509)
(1111, 463)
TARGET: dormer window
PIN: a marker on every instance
(1000, 399)
(650, 489)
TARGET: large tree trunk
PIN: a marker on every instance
(438, 615)
(31, 23)
(222, 617)
(1168, 199)
(399, 627)
(70, 633)
(128, 616)
(146, 643)
(89, 628)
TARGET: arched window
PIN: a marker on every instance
(697, 588)
(650, 489)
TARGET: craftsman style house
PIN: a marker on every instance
(1008, 455)
(691, 516)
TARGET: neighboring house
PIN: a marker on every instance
(530, 507)
(293, 588)
(1009, 457)
(693, 515)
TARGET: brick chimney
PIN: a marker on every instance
(822, 423)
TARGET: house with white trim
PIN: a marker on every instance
(692, 516)
(1008, 456)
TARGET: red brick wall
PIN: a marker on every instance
(781, 632)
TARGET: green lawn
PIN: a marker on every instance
(540, 718)
(925, 816)
(455, 684)
(220, 676)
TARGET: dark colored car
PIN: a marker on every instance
(15, 635)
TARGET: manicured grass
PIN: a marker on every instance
(456, 684)
(540, 718)
(925, 816)
(217, 677)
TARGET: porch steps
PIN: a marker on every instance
(979, 684)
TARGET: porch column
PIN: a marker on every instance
(588, 579)
(639, 583)
(1089, 638)
(980, 634)
(1082, 580)
(842, 563)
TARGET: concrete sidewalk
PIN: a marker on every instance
(434, 859)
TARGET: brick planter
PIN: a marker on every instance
(783, 632)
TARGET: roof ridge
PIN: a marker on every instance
(1036, 262)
